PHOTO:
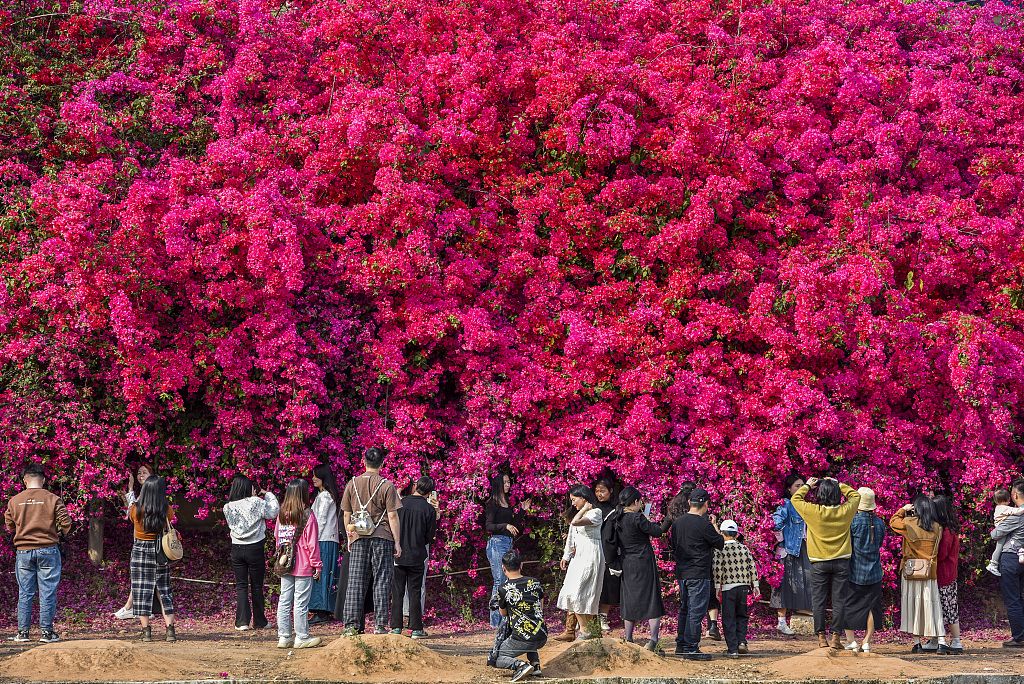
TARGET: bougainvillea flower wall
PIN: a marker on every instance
(717, 240)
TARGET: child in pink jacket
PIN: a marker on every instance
(297, 586)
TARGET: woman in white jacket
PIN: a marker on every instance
(247, 514)
(325, 508)
(583, 562)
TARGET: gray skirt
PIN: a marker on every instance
(795, 591)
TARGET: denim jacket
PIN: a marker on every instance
(789, 522)
(865, 563)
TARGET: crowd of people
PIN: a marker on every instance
(829, 542)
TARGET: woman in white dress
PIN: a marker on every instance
(583, 563)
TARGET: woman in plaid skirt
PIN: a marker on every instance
(151, 580)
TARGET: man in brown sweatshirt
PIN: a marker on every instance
(37, 518)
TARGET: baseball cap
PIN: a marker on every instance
(729, 526)
(698, 497)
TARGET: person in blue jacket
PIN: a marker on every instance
(794, 594)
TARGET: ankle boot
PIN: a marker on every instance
(836, 643)
(570, 628)
(713, 631)
(147, 634)
(822, 640)
(171, 635)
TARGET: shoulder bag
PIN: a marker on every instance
(284, 559)
(170, 544)
(921, 568)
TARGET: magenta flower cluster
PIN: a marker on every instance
(717, 240)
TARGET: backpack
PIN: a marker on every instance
(284, 559)
(361, 519)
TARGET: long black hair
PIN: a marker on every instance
(680, 503)
(583, 492)
(152, 504)
(498, 496)
(926, 512)
(946, 512)
(241, 488)
(324, 473)
(627, 497)
(788, 483)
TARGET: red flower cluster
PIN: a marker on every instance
(712, 240)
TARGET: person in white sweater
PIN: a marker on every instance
(325, 508)
(247, 513)
(143, 472)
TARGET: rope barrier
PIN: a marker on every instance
(230, 583)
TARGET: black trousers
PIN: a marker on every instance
(407, 578)
(735, 616)
(829, 577)
(249, 561)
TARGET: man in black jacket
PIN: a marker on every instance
(694, 540)
(418, 522)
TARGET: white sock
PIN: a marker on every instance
(782, 621)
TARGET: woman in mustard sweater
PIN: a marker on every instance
(828, 547)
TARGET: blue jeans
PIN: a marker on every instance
(1011, 582)
(694, 595)
(294, 601)
(38, 569)
(497, 547)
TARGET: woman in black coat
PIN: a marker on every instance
(641, 588)
(611, 590)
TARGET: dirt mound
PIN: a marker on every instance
(598, 656)
(373, 655)
(860, 665)
(93, 660)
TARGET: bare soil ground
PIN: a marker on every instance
(460, 659)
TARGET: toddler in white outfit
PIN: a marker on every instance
(1004, 507)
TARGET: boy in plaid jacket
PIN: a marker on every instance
(735, 576)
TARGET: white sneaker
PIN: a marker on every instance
(993, 568)
(284, 642)
(124, 613)
(852, 646)
(783, 628)
(311, 642)
(865, 647)
(242, 628)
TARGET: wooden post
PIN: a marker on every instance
(96, 533)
